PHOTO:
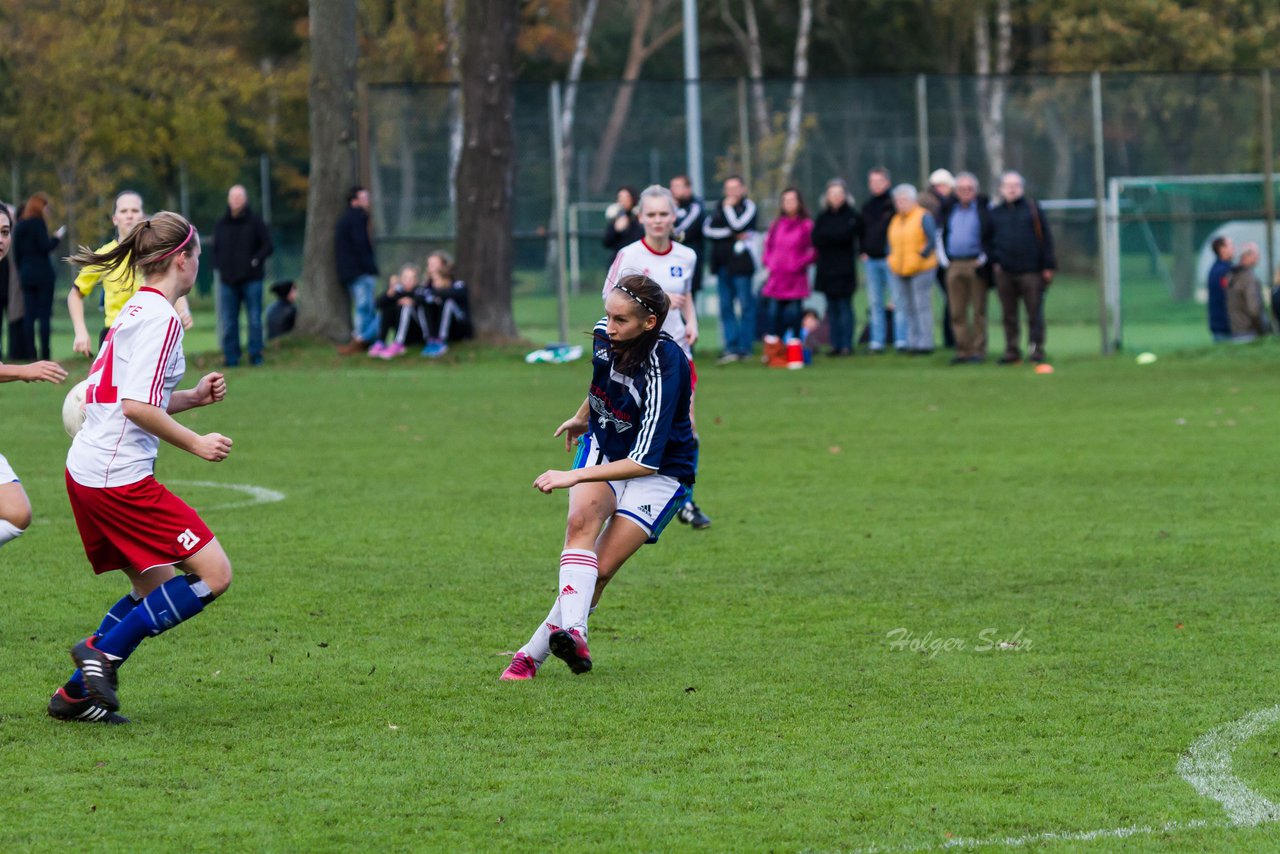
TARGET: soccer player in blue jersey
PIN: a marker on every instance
(635, 458)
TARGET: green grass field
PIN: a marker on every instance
(1112, 522)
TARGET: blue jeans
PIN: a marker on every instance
(737, 313)
(784, 316)
(879, 280)
(363, 291)
(840, 318)
(248, 294)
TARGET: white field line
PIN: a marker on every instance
(255, 494)
(1206, 766)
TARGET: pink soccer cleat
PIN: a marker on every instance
(521, 667)
(571, 647)
(377, 349)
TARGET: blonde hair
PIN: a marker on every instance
(150, 245)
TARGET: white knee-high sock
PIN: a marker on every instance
(579, 570)
(539, 646)
(8, 531)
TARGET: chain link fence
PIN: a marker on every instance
(1137, 282)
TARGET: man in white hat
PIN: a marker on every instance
(940, 195)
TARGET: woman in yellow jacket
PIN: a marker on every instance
(118, 285)
(913, 257)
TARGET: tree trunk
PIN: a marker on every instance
(486, 172)
(755, 65)
(991, 93)
(324, 307)
(453, 38)
(638, 51)
(799, 77)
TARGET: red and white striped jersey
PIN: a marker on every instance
(141, 359)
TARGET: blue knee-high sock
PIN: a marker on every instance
(177, 600)
(117, 612)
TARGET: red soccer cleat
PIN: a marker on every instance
(521, 667)
(571, 647)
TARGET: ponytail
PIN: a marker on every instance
(149, 246)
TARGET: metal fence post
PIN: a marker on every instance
(1268, 175)
(744, 136)
(922, 128)
(562, 247)
(1100, 198)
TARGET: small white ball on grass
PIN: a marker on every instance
(1146, 358)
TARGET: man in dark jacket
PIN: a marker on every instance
(357, 268)
(835, 241)
(965, 220)
(731, 227)
(241, 246)
(1024, 264)
(876, 213)
(1219, 283)
(688, 228)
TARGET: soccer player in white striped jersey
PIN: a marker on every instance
(672, 266)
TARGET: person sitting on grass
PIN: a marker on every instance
(402, 303)
(283, 313)
(447, 306)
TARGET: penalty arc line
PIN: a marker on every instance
(1207, 766)
(255, 494)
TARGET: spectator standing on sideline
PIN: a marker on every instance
(941, 192)
(690, 215)
(731, 227)
(1244, 298)
(788, 252)
(623, 223)
(19, 347)
(835, 239)
(876, 213)
(1219, 280)
(913, 260)
(6, 262)
(31, 247)
(119, 284)
(241, 246)
(1024, 264)
(283, 313)
(358, 268)
(966, 234)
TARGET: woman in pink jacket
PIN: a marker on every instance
(788, 252)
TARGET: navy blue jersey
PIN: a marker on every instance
(645, 417)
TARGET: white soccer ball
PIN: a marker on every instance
(73, 408)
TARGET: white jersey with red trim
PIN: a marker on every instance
(141, 359)
(672, 270)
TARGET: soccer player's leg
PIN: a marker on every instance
(205, 576)
(15, 509)
(590, 506)
(690, 513)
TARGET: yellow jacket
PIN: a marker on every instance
(118, 285)
(907, 244)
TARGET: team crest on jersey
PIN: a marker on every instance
(606, 417)
(677, 272)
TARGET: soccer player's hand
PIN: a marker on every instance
(82, 346)
(572, 429)
(552, 480)
(677, 300)
(44, 372)
(213, 447)
(691, 334)
(212, 388)
(187, 320)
